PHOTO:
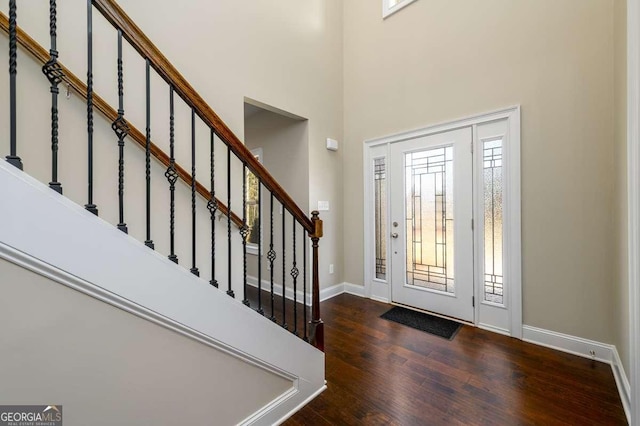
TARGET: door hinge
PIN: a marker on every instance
(473, 301)
(472, 147)
(472, 224)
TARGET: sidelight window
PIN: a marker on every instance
(380, 219)
(493, 190)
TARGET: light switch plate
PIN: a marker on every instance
(323, 206)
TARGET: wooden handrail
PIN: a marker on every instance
(132, 33)
(80, 88)
(141, 43)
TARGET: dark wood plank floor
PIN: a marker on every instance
(382, 373)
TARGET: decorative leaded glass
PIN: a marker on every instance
(429, 215)
(380, 209)
(493, 190)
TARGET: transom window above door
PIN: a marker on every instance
(389, 7)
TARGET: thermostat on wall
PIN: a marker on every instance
(332, 144)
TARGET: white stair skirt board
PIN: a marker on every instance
(52, 236)
(582, 347)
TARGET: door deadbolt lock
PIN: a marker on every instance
(395, 224)
(394, 235)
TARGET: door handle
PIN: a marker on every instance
(394, 235)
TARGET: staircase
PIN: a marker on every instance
(103, 213)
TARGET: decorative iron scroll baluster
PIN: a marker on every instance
(147, 152)
(194, 269)
(54, 74)
(304, 284)
(13, 158)
(212, 205)
(121, 129)
(90, 206)
(294, 274)
(244, 231)
(271, 256)
(284, 272)
(172, 176)
(260, 310)
(229, 291)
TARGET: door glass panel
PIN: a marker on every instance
(380, 209)
(429, 216)
(492, 161)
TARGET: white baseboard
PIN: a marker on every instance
(587, 349)
(356, 290)
(277, 289)
(302, 404)
(567, 343)
(622, 382)
(325, 293)
(335, 290)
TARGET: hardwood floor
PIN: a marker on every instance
(382, 373)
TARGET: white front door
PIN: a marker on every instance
(431, 223)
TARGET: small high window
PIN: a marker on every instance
(389, 7)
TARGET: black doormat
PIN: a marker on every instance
(420, 321)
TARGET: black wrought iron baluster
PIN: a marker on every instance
(90, 206)
(147, 152)
(229, 291)
(244, 231)
(13, 158)
(294, 274)
(259, 225)
(284, 273)
(194, 269)
(271, 256)
(212, 205)
(304, 285)
(172, 176)
(52, 70)
(121, 129)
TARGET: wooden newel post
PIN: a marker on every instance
(316, 325)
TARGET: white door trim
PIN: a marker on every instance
(633, 163)
(513, 240)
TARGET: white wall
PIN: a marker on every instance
(106, 366)
(439, 60)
